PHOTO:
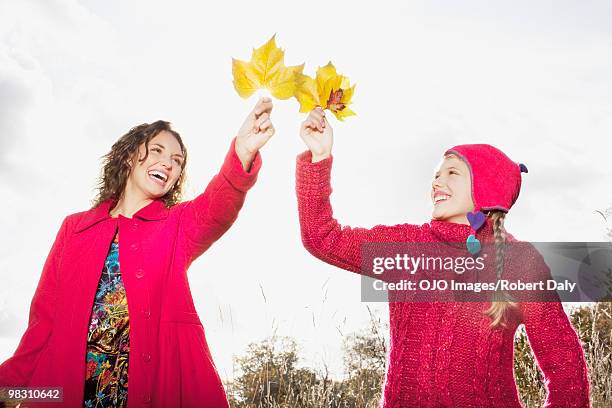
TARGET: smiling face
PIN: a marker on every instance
(451, 192)
(156, 175)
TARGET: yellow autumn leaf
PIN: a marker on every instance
(266, 69)
(245, 80)
(329, 90)
(306, 93)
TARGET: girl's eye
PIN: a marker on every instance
(156, 149)
(178, 161)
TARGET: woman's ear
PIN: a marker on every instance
(130, 160)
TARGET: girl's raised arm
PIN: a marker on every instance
(322, 234)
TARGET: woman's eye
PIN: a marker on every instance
(177, 161)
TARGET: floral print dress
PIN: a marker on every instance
(108, 342)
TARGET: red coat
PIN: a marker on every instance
(170, 364)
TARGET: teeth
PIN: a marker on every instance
(441, 197)
(156, 180)
(163, 176)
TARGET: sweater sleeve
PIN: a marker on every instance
(18, 369)
(208, 216)
(557, 349)
(322, 234)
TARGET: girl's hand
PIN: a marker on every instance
(317, 133)
(256, 130)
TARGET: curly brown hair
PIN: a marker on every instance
(116, 170)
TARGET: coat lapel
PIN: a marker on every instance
(155, 210)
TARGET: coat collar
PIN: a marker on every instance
(155, 210)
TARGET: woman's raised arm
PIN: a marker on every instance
(208, 216)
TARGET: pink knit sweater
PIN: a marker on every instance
(445, 354)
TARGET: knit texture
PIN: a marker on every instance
(445, 354)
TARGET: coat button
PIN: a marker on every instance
(134, 227)
(146, 313)
(146, 357)
(139, 273)
(134, 247)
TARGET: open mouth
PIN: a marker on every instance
(158, 177)
(441, 198)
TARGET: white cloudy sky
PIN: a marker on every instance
(530, 78)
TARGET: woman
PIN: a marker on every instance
(113, 302)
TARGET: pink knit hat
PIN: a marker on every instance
(496, 182)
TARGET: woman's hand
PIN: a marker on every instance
(318, 135)
(256, 130)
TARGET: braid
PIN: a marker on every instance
(500, 237)
(501, 300)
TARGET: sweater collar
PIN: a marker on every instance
(155, 210)
(454, 232)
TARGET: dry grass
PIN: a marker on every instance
(269, 375)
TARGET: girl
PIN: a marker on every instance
(113, 302)
(449, 354)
